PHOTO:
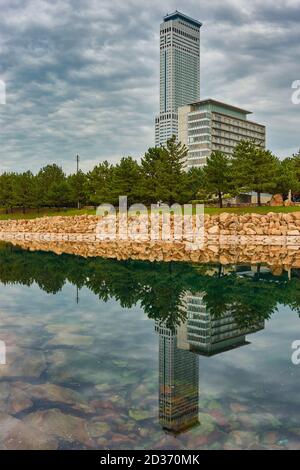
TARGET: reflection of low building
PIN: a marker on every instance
(178, 383)
(207, 334)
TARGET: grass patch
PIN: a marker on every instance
(46, 213)
(251, 210)
(208, 210)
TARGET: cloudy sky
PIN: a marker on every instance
(82, 76)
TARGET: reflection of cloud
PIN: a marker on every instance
(83, 76)
(263, 367)
(27, 312)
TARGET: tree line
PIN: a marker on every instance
(161, 175)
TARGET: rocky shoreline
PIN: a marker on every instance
(273, 238)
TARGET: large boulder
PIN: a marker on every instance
(277, 200)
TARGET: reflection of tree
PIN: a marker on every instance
(250, 299)
(159, 287)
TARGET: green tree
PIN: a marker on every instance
(7, 190)
(194, 184)
(163, 174)
(126, 181)
(150, 175)
(172, 168)
(254, 168)
(52, 187)
(288, 177)
(78, 188)
(24, 190)
(217, 175)
(99, 183)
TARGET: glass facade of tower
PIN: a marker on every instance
(179, 71)
(178, 383)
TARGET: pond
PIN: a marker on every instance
(107, 354)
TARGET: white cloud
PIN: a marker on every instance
(82, 76)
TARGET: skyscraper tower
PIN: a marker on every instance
(179, 71)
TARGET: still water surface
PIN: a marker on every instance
(135, 355)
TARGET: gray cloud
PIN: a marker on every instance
(82, 76)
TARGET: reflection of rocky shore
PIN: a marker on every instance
(277, 256)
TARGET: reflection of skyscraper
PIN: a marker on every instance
(178, 383)
(202, 334)
(208, 334)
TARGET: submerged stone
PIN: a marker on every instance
(257, 420)
(55, 424)
(120, 364)
(16, 435)
(207, 424)
(24, 363)
(97, 428)
(69, 339)
(139, 414)
(241, 439)
(238, 407)
(52, 393)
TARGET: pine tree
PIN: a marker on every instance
(254, 168)
(217, 175)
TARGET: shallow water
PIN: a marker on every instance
(135, 355)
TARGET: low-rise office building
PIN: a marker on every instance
(209, 125)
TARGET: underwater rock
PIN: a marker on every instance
(53, 393)
(207, 424)
(102, 443)
(241, 440)
(270, 438)
(78, 366)
(23, 362)
(214, 404)
(7, 424)
(55, 424)
(139, 392)
(295, 430)
(97, 428)
(121, 364)
(206, 440)
(102, 405)
(18, 401)
(69, 339)
(258, 420)
(102, 387)
(168, 442)
(139, 414)
(129, 377)
(16, 435)
(126, 425)
(21, 338)
(144, 432)
(220, 417)
(238, 407)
